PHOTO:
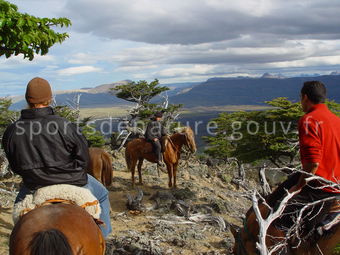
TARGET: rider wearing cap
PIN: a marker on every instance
(46, 149)
(154, 132)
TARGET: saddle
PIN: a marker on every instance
(149, 148)
(60, 193)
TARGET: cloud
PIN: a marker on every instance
(19, 61)
(178, 40)
(201, 70)
(200, 21)
(224, 53)
(82, 58)
(77, 70)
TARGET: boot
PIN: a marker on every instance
(161, 165)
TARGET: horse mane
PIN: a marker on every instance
(51, 242)
(188, 132)
(273, 198)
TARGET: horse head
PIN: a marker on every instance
(189, 138)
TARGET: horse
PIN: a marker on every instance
(100, 166)
(139, 149)
(63, 229)
(247, 236)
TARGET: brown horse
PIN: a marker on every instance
(100, 166)
(62, 229)
(247, 237)
(139, 149)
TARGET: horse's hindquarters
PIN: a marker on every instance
(81, 232)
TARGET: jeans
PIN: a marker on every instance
(98, 190)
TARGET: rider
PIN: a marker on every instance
(154, 132)
(319, 138)
(45, 149)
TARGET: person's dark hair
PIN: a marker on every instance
(158, 115)
(315, 91)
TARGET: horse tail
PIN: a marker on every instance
(127, 159)
(107, 169)
(51, 242)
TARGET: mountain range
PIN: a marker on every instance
(213, 92)
(252, 91)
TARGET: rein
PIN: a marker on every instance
(172, 143)
(241, 247)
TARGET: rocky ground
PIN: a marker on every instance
(192, 219)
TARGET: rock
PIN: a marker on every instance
(135, 203)
(219, 206)
(163, 199)
(183, 194)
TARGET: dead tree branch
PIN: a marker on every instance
(266, 190)
(294, 230)
(265, 223)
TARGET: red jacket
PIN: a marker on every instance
(319, 134)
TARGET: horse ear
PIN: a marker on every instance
(178, 130)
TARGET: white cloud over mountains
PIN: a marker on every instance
(78, 70)
(177, 40)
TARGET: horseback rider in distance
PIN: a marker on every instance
(154, 132)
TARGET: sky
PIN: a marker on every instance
(179, 41)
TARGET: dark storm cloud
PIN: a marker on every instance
(199, 21)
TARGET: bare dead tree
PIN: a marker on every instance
(130, 121)
(239, 180)
(294, 231)
(264, 223)
(266, 190)
(4, 165)
(274, 213)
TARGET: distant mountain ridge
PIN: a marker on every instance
(213, 92)
(99, 96)
(252, 91)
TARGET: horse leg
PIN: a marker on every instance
(175, 174)
(132, 169)
(170, 169)
(140, 163)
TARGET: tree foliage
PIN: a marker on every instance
(139, 92)
(6, 115)
(94, 137)
(142, 93)
(21, 33)
(255, 135)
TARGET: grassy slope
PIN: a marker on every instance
(103, 112)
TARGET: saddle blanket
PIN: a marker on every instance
(78, 195)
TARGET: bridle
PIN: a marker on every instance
(187, 141)
(186, 144)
